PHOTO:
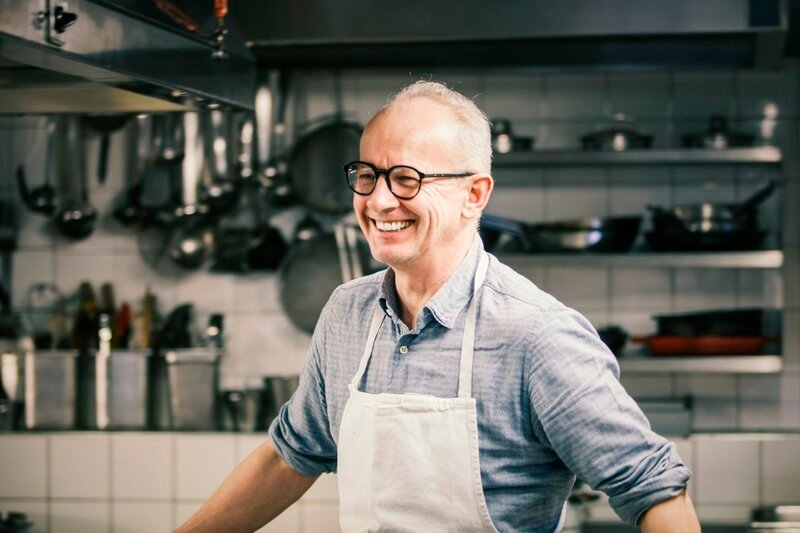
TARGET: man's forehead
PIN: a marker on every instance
(416, 121)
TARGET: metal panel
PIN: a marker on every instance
(115, 48)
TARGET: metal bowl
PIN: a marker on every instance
(612, 234)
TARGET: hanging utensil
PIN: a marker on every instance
(42, 199)
(77, 216)
(104, 125)
(220, 189)
(270, 111)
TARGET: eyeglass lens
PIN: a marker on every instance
(404, 180)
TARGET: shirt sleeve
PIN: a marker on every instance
(301, 431)
(580, 410)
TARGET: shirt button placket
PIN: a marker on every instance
(404, 350)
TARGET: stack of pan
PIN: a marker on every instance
(718, 332)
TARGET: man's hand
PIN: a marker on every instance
(257, 491)
(675, 515)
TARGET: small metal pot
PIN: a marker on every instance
(616, 139)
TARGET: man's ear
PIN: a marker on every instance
(478, 193)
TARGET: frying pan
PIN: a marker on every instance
(731, 322)
(704, 345)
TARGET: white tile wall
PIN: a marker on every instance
(35, 510)
(141, 465)
(23, 466)
(727, 471)
(137, 517)
(202, 462)
(80, 466)
(79, 517)
(320, 518)
(781, 477)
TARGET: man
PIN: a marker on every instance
(448, 392)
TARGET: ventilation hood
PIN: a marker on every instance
(538, 33)
(123, 56)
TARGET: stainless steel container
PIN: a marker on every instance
(113, 389)
(193, 379)
(277, 391)
(49, 386)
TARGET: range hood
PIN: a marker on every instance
(539, 33)
(99, 57)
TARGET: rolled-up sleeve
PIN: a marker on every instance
(301, 431)
(580, 410)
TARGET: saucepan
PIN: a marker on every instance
(594, 234)
(709, 226)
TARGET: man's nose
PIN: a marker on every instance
(382, 198)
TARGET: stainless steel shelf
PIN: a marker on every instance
(716, 364)
(755, 259)
(678, 156)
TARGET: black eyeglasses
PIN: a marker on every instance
(404, 181)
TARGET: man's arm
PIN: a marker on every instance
(674, 515)
(257, 491)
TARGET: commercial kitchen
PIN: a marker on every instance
(174, 217)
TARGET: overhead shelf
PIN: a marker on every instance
(716, 364)
(675, 156)
(754, 259)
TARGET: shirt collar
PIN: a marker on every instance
(448, 301)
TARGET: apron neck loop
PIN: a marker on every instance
(468, 340)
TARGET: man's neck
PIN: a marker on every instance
(416, 285)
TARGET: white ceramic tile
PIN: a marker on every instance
(265, 344)
(764, 94)
(35, 231)
(694, 185)
(770, 402)
(324, 489)
(319, 518)
(182, 511)
(759, 288)
(576, 96)
(578, 286)
(655, 386)
(791, 224)
(634, 188)
(23, 466)
(286, 522)
(212, 292)
(246, 444)
(79, 466)
(714, 398)
(316, 90)
(634, 323)
(700, 94)
(724, 514)
(791, 340)
(366, 90)
(137, 517)
(29, 267)
(520, 203)
(79, 517)
(35, 510)
(202, 463)
(704, 289)
(257, 292)
(645, 289)
(781, 475)
(640, 95)
(141, 466)
(727, 471)
(560, 136)
(73, 269)
(575, 193)
(514, 96)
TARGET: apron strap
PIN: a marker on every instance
(468, 341)
(377, 320)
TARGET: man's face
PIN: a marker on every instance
(409, 233)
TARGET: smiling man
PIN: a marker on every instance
(448, 392)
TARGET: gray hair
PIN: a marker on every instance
(475, 139)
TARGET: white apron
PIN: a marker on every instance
(409, 462)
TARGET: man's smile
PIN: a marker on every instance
(392, 225)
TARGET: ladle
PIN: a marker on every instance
(41, 199)
(77, 216)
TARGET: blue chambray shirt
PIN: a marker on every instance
(548, 394)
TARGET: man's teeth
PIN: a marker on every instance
(392, 226)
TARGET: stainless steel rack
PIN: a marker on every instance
(759, 259)
(658, 156)
(709, 364)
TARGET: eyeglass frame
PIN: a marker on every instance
(387, 171)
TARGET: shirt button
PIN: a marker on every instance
(404, 350)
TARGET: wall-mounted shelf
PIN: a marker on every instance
(676, 156)
(716, 364)
(754, 259)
